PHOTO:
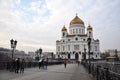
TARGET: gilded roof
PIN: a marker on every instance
(89, 27)
(76, 20)
(64, 28)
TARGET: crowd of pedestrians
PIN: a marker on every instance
(16, 65)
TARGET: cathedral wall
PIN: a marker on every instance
(77, 29)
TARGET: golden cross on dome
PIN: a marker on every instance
(76, 14)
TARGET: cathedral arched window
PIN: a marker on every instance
(58, 48)
(76, 47)
(76, 39)
(68, 39)
(76, 30)
(80, 53)
(83, 39)
(63, 48)
(69, 56)
(96, 56)
(68, 47)
(70, 31)
(95, 48)
(73, 31)
(90, 32)
(63, 34)
(79, 30)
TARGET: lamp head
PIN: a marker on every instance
(11, 42)
(15, 42)
(40, 51)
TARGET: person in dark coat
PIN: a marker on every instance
(46, 63)
(65, 63)
(40, 63)
(17, 65)
(22, 65)
(12, 65)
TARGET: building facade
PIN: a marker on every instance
(73, 43)
(112, 53)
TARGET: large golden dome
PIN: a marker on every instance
(64, 28)
(76, 20)
(89, 27)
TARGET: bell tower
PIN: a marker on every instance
(64, 32)
(90, 31)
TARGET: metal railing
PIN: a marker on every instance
(101, 72)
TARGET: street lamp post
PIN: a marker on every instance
(89, 47)
(116, 55)
(84, 53)
(13, 46)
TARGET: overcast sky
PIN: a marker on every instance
(37, 23)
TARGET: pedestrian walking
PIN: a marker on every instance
(17, 65)
(12, 65)
(22, 65)
(65, 63)
(40, 63)
(46, 63)
(78, 62)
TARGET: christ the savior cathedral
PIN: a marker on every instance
(73, 43)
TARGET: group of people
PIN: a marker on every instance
(43, 63)
(17, 65)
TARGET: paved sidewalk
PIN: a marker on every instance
(81, 74)
(54, 72)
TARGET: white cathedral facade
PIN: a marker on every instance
(73, 43)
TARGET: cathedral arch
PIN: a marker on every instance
(69, 56)
(76, 56)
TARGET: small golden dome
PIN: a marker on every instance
(64, 28)
(76, 20)
(89, 27)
